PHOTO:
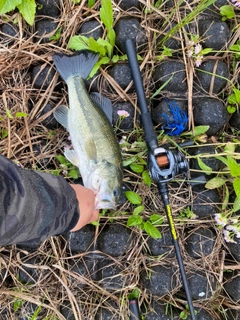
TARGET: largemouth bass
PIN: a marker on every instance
(96, 151)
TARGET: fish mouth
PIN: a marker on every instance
(104, 204)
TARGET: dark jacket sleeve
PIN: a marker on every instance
(34, 205)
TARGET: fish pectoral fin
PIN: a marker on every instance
(103, 103)
(61, 115)
(72, 157)
(91, 150)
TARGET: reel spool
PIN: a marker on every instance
(164, 164)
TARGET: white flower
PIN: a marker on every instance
(227, 236)
(198, 61)
(236, 3)
(189, 53)
(123, 113)
(197, 49)
(220, 219)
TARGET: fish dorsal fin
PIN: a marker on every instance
(61, 115)
(72, 157)
(103, 103)
(91, 150)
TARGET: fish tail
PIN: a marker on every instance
(79, 64)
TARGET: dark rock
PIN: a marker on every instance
(158, 311)
(211, 112)
(66, 310)
(94, 84)
(121, 73)
(114, 239)
(130, 28)
(164, 107)
(49, 122)
(31, 245)
(174, 42)
(42, 76)
(45, 29)
(215, 34)
(235, 120)
(81, 240)
(200, 243)
(159, 281)
(91, 28)
(8, 33)
(174, 70)
(108, 312)
(129, 5)
(161, 246)
(86, 268)
(205, 202)
(232, 286)
(233, 314)
(126, 123)
(50, 8)
(111, 275)
(204, 80)
(28, 274)
(202, 285)
(234, 248)
(211, 162)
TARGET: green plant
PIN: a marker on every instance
(135, 220)
(227, 12)
(66, 168)
(234, 101)
(9, 115)
(27, 8)
(184, 313)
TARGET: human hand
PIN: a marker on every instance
(86, 200)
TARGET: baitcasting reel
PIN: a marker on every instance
(165, 164)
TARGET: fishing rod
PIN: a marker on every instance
(163, 164)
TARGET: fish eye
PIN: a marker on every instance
(116, 192)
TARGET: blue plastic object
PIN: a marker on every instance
(180, 119)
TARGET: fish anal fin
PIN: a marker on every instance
(103, 103)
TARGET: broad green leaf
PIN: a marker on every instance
(134, 221)
(21, 114)
(129, 161)
(229, 147)
(133, 197)
(8, 113)
(236, 205)
(200, 130)
(235, 47)
(227, 11)
(156, 219)
(62, 159)
(237, 94)
(78, 43)
(232, 99)
(236, 186)
(73, 173)
(146, 178)
(91, 3)
(96, 46)
(107, 45)
(111, 38)
(214, 183)
(206, 51)
(106, 14)
(233, 166)
(8, 5)
(27, 9)
(4, 133)
(231, 109)
(224, 160)
(138, 210)
(57, 35)
(203, 166)
(103, 60)
(134, 294)
(152, 230)
(226, 198)
(136, 167)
